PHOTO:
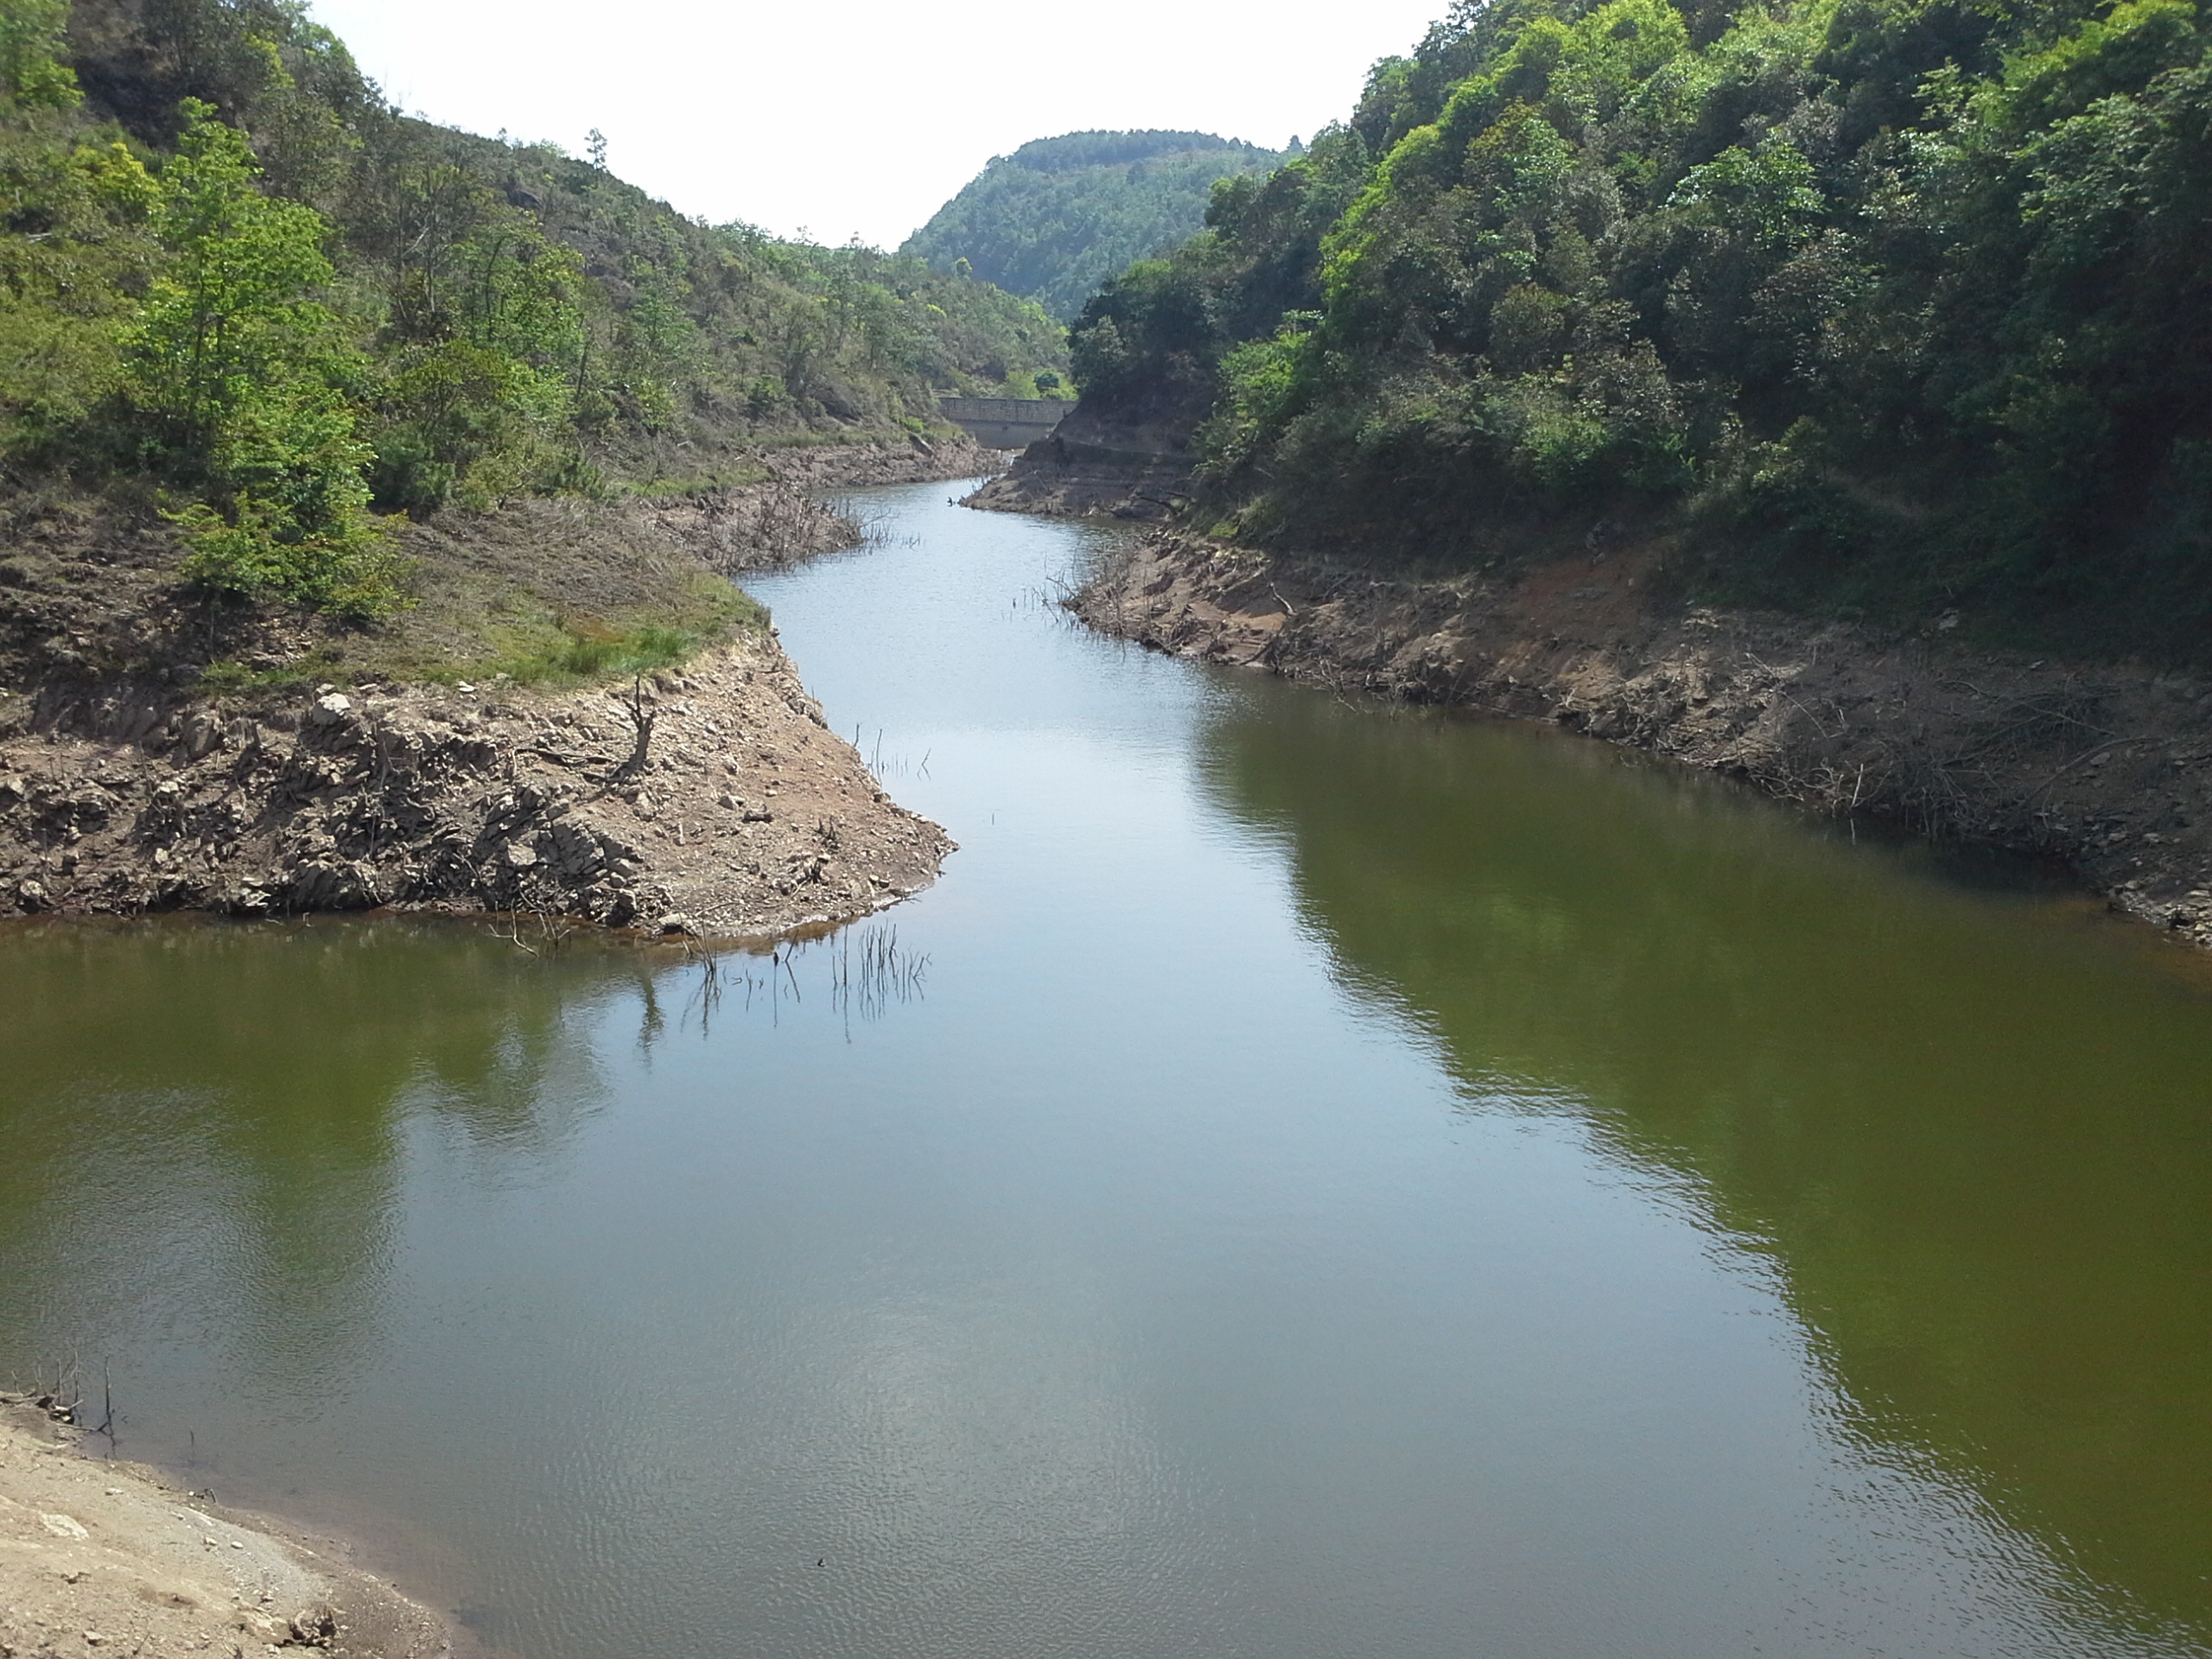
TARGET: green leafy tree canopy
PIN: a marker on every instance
(242, 376)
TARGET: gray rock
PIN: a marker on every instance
(201, 735)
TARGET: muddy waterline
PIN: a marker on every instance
(1310, 1182)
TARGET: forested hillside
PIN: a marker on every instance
(1060, 215)
(1882, 308)
(235, 277)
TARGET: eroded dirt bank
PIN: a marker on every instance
(2109, 768)
(161, 752)
(99, 1557)
(737, 814)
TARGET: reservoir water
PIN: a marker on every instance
(1317, 1182)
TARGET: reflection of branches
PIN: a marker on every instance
(769, 986)
(708, 998)
(868, 970)
(887, 973)
(552, 931)
(883, 767)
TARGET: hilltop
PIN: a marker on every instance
(480, 319)
(1059, 216)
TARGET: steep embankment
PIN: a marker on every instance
(256, 316)
(2107, 767)
(579, 719)
(100, 1557)
(1893, 316)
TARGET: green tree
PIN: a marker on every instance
(241, 378)
(33, 34)
(491, 319)
(472, 388)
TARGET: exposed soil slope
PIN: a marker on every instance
(161, 750)
(2107, 767)
(919, 461)
(99, 1557)
(741, 815)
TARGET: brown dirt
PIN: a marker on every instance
(744, 816)
(2106, 766)
(161, 750)
(89, 595)
(100, 1557)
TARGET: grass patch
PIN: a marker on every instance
(231, 678)
(555, 596)
(591, 650)
(585, 650)
(547, 595)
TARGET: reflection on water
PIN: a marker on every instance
(1975, 1137)
(1311, 1182)
(213, 1112)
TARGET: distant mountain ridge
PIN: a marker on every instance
(1058, 216)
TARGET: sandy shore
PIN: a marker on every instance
(99, 1557)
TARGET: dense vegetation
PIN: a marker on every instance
(233, 274)
(1060, 215)
(1880, 307)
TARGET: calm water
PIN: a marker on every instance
(1349, 1184)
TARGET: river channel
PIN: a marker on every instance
(1312, 1181)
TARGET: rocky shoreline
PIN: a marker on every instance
(737, 814)
(2104, 767)
(707, 799)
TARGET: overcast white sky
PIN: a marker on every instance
(864, 116)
